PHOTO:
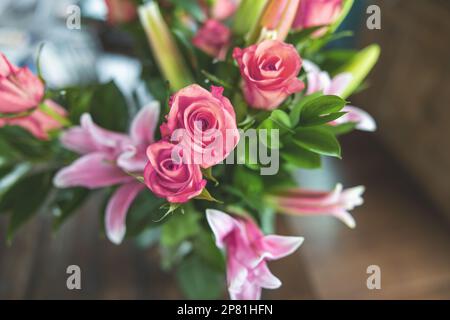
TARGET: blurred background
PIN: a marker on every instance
(403, 227)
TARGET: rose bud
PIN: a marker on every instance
(213, 38)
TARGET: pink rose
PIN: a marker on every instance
(204, 123)
(120, 11)
(313, 13)
(168, 177)
(269, 71)
(213, 38)
(38, 123)
(20, 90)
(223, 9)
(248, 251)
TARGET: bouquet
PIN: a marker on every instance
(243, 94)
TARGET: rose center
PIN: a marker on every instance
(169, 165)
(271, 64)
(204, 124)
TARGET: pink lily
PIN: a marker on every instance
(336, 203)
(248, 251)
(110, 158)
(278, 17)
(319, 80)
(20, 89)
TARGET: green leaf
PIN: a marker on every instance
(205, 246)
(158, 89)
(209, 175)
(105, 102)
(7, 153)
(65, 204)
(298, 107)
(144, 213)
(284, 179)
(241, 109)
(77, 100)
(249, 184)
(23, 144)
(205, 195)
(216, 80)
(301, 157)
(198, 280)
(298, 37)
(323, 105)
(343, 128)
(109, 108)
(318, 140)
(192, 7)
(278, 120)
(9, 177)
(281, 119)
(26, 198)
(179, 228)
(322, 119)
(248, 181)
(332, 60)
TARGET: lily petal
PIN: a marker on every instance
(90, 171)
(339, 84)
(117, 208)
(132, 159)
(363, 120)
(221, 225)
(143, 127)
(265, 278)
(102, 138)
(277, 247)
(346, 218)
(78, 140)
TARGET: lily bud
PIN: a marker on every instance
(346, 7)
(337, 203)
(248, 15)
(276, 20)
(165, 50)
(359, 67)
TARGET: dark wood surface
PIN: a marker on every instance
(410, 89)
(398, 229)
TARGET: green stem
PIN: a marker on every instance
(17, 115)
